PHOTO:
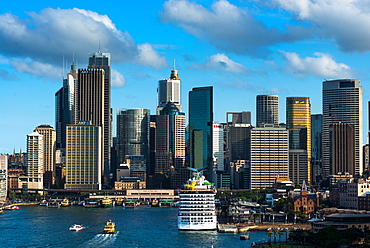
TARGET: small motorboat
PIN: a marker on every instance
(44, 203)
(244, 237)
(109, 228)
(76, 227)
(11, 207)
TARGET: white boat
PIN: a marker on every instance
(197, 210)
(44, 203)
(76, 227)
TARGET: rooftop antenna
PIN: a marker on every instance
(174, 64)
(99, 47)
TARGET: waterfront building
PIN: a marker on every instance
(200, 129)
(34, 163)
(298, 124)
(132, 133)
(101, 60)
(316, 141)
(83, 157)
(269, 156)
(3, 177)
(170, 143)
(64, 107)
(342, 103)
(267, 110)
(169, 90)
(49, 137)
(342, 221)
(342, 148)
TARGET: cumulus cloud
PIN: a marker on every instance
(221, 62)
(148, 56)
(36, 68)
(48, 35)
(345, 21)
(226, 26)
(118, 80)
(322, 65)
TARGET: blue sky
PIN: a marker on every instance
(242, 48)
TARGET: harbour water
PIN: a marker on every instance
(37, 226)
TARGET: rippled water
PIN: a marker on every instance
(36, 226)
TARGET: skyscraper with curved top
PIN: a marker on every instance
(267, 110)
(169, 90)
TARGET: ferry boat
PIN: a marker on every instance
(106, 202)
(76, 227)
(197, 211)
(53, 204)
(91, 204)
(132, 203)
(154, 203)
(165, 202)
(119, 202)
(109, 228)
(65, 203)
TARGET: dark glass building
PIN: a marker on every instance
(200, 128)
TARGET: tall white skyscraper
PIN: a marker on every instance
(3, 177)
(218, 147)
(341, 103)
(169, 91)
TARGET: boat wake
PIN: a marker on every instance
(101, 240)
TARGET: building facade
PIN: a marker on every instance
(316, 124)
(49, 136)
(200, 129)
(298, 124)
(83, 157)
(170, 142)
(132, 133)
(101, 60)
(267, 110)
(3, 177)
(269, 156)
(342, 103)
(169, 90)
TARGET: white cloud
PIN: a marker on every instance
(345, 21)
(118, 80)
(48, 35)
(37, 69)
(322, 65)
(148, 56)
(226, 26)
(221, 62)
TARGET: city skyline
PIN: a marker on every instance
(273, 47)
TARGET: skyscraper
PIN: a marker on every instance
(83, 157)
(298, 123)
(200, 128)
(267, 110)
(132, 133)
(269, 156)
(316, 124)
(90, 102)
(170, 139)
(49, 137)
(34, 161)
(64, 107)
(342, 103)
(169, 90)
(101, 60)
(3, 177)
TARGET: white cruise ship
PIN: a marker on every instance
(197, 209)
